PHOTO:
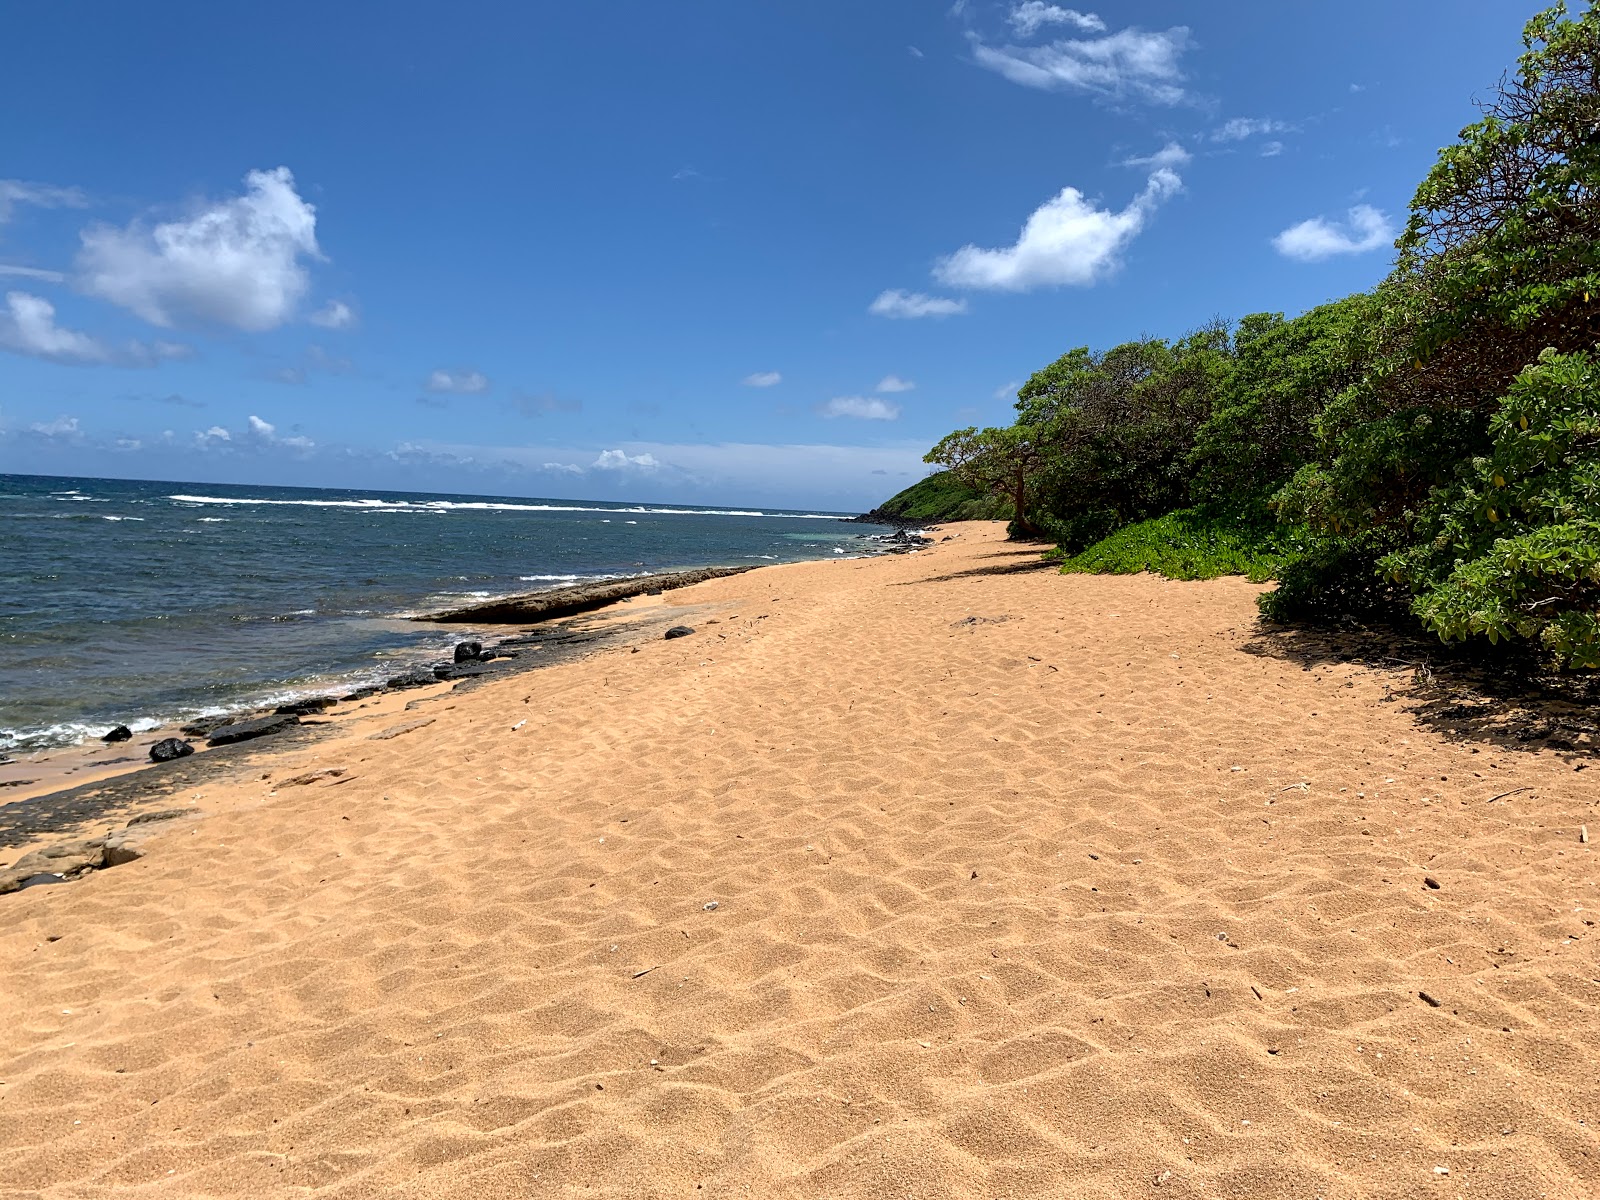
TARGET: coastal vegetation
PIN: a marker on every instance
(1430, 447)
(939, 497)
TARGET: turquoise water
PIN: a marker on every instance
(144, 602)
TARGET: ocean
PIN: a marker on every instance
(141, 603)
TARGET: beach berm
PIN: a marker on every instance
(941, 875)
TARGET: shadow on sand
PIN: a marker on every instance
(1456, 692)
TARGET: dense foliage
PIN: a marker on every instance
(939, 497)
(1432, 445)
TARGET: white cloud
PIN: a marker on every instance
(265, 433)
(564, 468)
(911, 305)
(462, 383)
(1364, 229)
(41, 195)
(1132, 62)
(914, 52)
(235, 262)
(39, 273)
(762, 379)
(617, 460)
(893, 383)
(28, 326)
(1239, 128)
(1171, 156)
(1066, 241)
(1007, 391)
(335, 314)
(1026, 18)
(205, 437)
(862, 408)
(61, 427)
(1271, 149)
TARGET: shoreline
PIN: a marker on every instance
(31, 773)
(945, 873)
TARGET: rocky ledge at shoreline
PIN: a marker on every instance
(569, 601)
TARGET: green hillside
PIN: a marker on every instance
(939, 497)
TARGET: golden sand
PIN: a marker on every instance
(937, 876)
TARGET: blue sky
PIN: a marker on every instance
(715, 252)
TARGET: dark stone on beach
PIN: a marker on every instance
(467, 651)
(204, 726)
(421, 677)
(677, 631)
(244, 731)
(120, 734)
(360, 693)
(168, 749)
(307, 707)
(466, 670)
(166, 814)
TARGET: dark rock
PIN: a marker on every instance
(307, 707)
(166, 814)
(467, 651)
(421, 677)
(361, 693)
(168, 749)
(677, 631)
(244, 731)
(204, 726)
(120, 734)
(466, 670)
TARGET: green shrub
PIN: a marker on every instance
(1192, 543)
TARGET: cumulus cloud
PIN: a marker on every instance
(1136, 63)
(1067, 240)
(862, 408)
(28, 326)
(265, 433)
(61, 427)
(618, 460)
(1240, 128)
(563, 468)
(1027, 18)
(14, 192)
(236, 262)
(1171, 156)
(1364, 229)
(461, 383)
(893, 383)
(762, 379)
(335, 314)
(907, 306)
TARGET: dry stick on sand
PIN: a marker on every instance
(1503, 795)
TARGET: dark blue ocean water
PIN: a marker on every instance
(142, 602)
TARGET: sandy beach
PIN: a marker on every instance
(934, 876)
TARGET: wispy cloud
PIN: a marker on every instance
(1271, 149)
(1028, 18)
(1129, 64)
(335, 314)
(1171, 156)
(1238, 129)
(39, 273)
(15, 192)
(893, 383)
(861, 408)
(1067, 240)
(762, 379)
(460, 383)
(238, 262)
(907, 306)
(1364, 229)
